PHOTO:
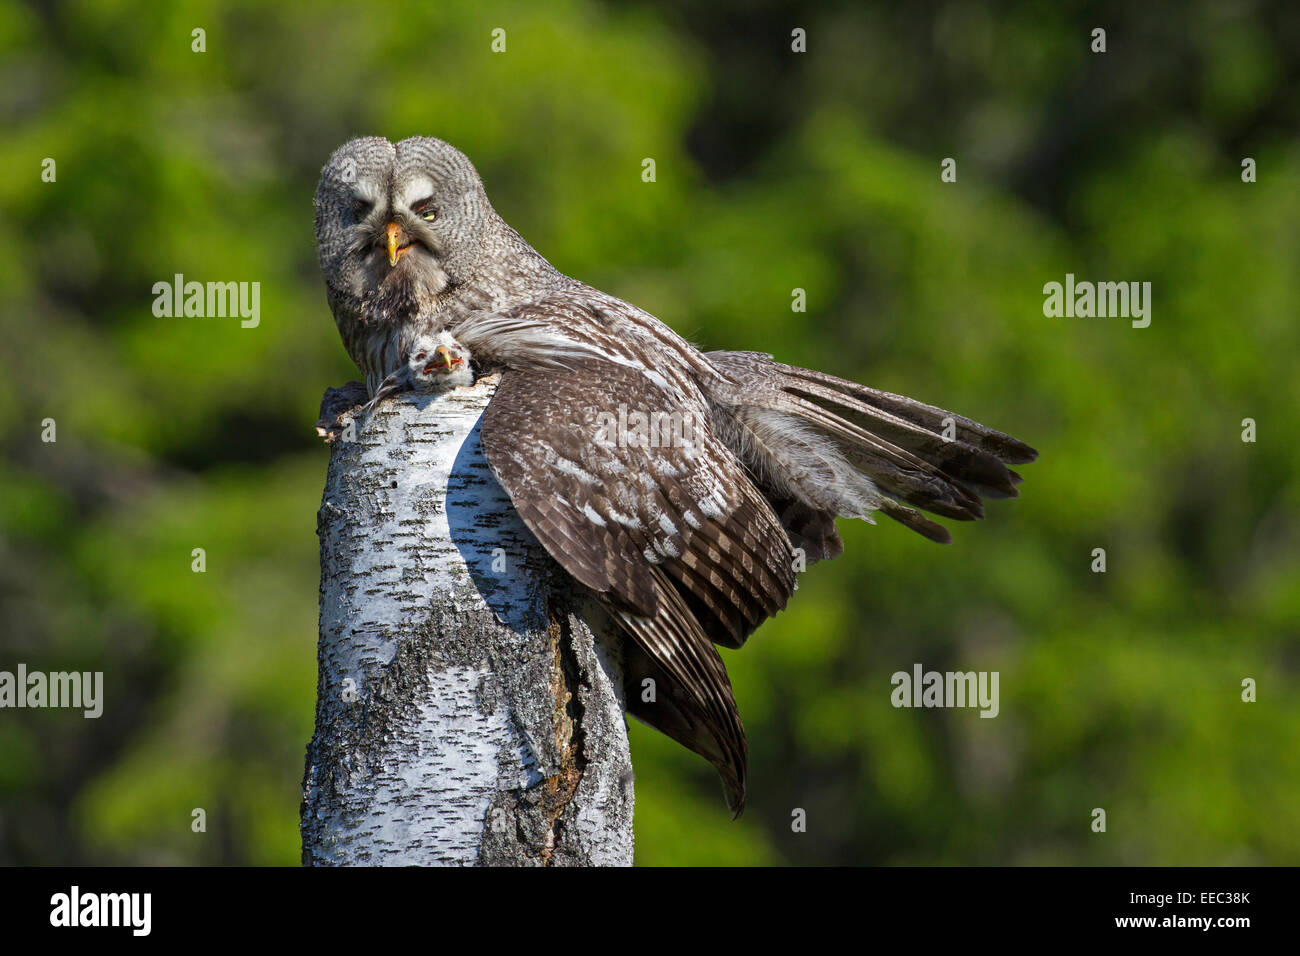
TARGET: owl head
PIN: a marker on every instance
(396, 225)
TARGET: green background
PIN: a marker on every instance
(775, 171)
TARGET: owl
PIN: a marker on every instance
(683, 489)
(435, 363)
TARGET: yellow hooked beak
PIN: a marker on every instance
(397, 246)
(444, 361)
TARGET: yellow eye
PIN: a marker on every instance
(424, 209)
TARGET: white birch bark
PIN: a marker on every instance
(465, 713)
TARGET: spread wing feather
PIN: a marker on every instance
(870, 442)
(674, 538)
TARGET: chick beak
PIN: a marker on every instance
(446, 358)
(397, 244)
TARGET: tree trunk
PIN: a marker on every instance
(465, 712)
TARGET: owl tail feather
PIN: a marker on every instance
(833, 447)
(674, 715)
(674, 681)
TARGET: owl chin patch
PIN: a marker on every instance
(407, 290)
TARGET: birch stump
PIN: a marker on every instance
(466, 713)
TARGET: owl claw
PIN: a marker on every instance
(337, 408)
(331, 431)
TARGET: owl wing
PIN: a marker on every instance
(623, 481)
(835, 447)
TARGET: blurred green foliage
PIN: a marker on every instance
(774, 171)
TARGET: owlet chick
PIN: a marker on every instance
(436, 363)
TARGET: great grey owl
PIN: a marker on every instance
(683, 488)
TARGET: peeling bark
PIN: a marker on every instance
(466, 712)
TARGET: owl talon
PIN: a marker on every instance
(336, 405)
(330, 431)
